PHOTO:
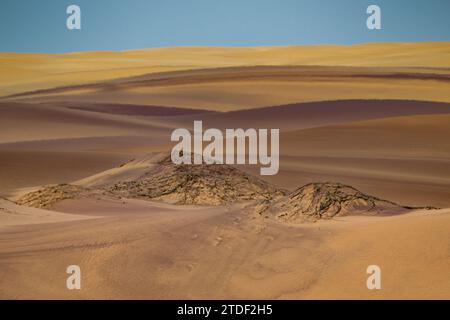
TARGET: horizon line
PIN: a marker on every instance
(227, 46)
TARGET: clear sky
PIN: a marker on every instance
(40, 25)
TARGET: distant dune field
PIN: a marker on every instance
(29, 72)
(228, 89)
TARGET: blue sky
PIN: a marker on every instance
(40, 25)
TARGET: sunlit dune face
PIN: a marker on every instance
(28, 72)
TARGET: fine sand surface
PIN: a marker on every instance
(139, 249)
(25, 168)
(12, 214)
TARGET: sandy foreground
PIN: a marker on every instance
(145, 250)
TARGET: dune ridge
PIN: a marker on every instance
(236, 88)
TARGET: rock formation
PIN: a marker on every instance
(316, 201)
(196, 184)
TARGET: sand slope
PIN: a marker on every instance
(12, 214)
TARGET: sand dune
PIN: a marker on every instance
(134, 110)
(245, 74)
(312, 114)
(410, 136)
(404, 159)
(26, 168)
(51, 70)
(12, 214)
(24, 122)
(227, 89)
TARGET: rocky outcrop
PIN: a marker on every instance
(46, 197)
(157, 178)
(197, 184)
(317, 201)
(166, 182)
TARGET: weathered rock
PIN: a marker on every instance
(316, 201)
(196, 184)
(48, 196)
